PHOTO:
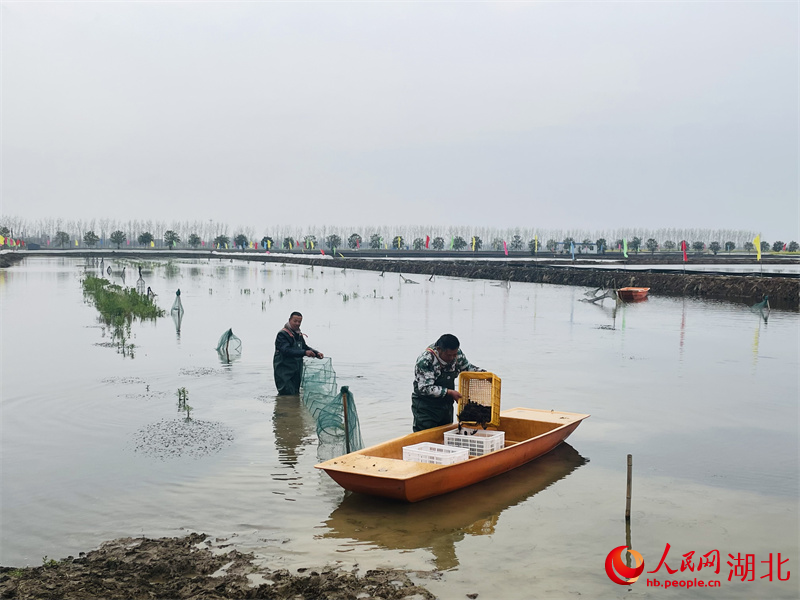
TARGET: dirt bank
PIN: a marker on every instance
(783, 292)
(188, 567)
(9, 258)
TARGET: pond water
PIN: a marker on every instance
(703, 395)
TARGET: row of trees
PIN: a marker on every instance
(200, 233)
(333, 241)
(46, 229)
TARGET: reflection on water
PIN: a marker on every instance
(292, 427)
(440, 522)
(177, 319)
(610, 310)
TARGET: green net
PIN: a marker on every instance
(762, 308)
(229, 346)
(763, 305)
(331, 407)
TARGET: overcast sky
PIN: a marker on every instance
(565, 115)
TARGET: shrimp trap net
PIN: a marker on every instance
(229, 346)
(333, 409)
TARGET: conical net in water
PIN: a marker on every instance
(177, 311)
(764, 304)
(327, 404)
(177, 306)
(229, 346)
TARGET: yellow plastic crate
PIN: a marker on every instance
(483, 389)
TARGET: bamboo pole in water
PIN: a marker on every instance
(628, 493)
(345, 392)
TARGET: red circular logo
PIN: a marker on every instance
(615, 565)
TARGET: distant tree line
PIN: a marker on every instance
(195, 234)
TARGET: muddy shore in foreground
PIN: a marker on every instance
(195, 567)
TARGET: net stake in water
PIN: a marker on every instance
(628, 493)
(345, 392)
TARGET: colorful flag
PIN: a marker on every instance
(505, 248)
(757, 244)
(152, 244)
(452, 239)
(784, 247)
(322, 251)
(269, 244)
(2, 240)
(358, 244)
(535, 244)
(427, 241)
(473, 243)
(683, 247)
(76, 242)
(625, 248)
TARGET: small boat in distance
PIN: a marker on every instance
(632, 294)
(381, 471)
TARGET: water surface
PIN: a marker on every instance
(703, 394)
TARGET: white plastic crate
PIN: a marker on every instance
(437, 454)
(477, 441)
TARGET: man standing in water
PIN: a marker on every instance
(290, 348)
(435, 374)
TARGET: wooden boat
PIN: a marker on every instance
(632, 294)
(381, 471)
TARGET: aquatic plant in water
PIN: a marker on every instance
(117, 304)
(118, 307)
(183, 396)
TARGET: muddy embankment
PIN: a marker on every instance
(783, 292)
(194, 567)
(9, 258)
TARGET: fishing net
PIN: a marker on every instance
(764, 304)
(762, 308)
(177, 306)
(177, 311)
(331, 408)
(229, 346)
(140, 287)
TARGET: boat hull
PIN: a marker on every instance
(632, 294)
(379, 470)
